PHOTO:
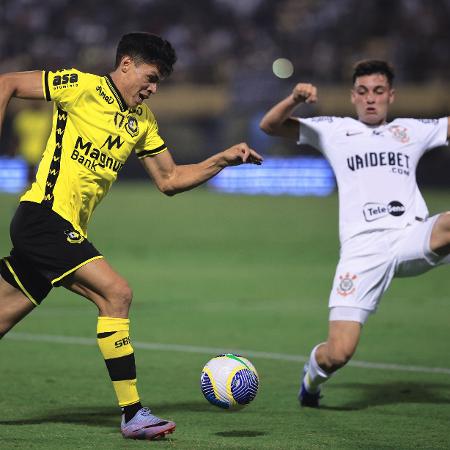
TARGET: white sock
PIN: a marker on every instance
(315, 376)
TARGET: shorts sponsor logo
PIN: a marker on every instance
(375, 211)
(346, 285)
(74, 237)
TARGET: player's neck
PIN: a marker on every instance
(374, 125)
(119, 84)
(115, 76)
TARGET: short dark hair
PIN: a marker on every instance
(371, 66)
(147, 48)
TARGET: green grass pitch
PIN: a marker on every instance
(232, 273)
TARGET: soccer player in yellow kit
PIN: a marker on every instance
(97, 122)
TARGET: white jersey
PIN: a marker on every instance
(375, 168)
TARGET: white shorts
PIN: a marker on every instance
(370, 261)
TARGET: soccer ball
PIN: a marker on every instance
(229, 381)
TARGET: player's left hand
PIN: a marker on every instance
(241, 154)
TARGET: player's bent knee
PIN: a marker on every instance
(123, 294)
(117, 300)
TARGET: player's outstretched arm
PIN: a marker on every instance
(278, 120)
(20, 85)
(172, 179)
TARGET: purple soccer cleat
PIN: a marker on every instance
(144, 425)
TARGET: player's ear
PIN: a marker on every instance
(352, 96)
(125, 63)
(391, 95)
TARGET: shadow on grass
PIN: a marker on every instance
(102, 416)
(240, 433)
(391, 393)
(81, 416)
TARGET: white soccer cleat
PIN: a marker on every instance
(144, 425)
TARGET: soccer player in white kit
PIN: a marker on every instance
(385, 229)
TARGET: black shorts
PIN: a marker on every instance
(46, 248)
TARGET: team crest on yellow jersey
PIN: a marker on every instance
(130, 123)
(132, 126)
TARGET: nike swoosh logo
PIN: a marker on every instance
(353, 133)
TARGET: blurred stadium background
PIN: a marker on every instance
(229, 271)
(223, 80)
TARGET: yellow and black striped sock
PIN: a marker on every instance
(113, 337)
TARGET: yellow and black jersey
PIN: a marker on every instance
(93, 134)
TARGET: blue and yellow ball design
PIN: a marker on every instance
(229, 381)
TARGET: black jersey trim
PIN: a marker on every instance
(55, 165)
(144, 153)
(122, 105)
(46, 87)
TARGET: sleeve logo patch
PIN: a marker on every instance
(70, 79)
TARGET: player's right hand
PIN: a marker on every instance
(304, 93)
(241, 154)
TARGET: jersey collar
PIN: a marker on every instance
(122, 105)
